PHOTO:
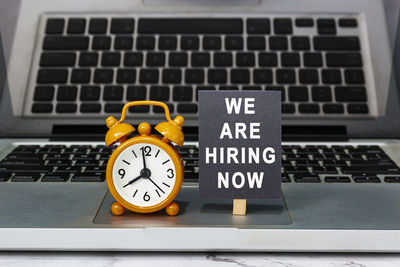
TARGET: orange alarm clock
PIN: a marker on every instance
(145, 172)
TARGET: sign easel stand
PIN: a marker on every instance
(239, 207)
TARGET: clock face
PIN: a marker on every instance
(144, 174)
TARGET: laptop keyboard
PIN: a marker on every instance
(300, 164)
(92, 65)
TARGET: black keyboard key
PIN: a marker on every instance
(5, 176)
(326, 26)
(277, 88)
(268, 59)
(254, 88)
(256, 43)
(67, 93)
(110, 59)
(325, 170)
(217, 76)
(258, 26)
(172, 76)
(350, 94)
(286, 76)
(223, 59)
(240, 76)
(157, 109)
(68, 169)
(283, 26)
(103, 76)
(133, 59)
(304, 22)
(354, 76)
(126, 76)
(290, 59)
(66, 108)
(187, 108)
(101, 43)
(331, 76)
(154, 59)
(321, 94)
(55, 26)
(228, 88)
(182, 93)
(337, 179)
(135, 93)
(194, 76)
(145, 43)
(90, 108)
(52, 76)
(55, 177)
(190, 25)
(357, 109)
(178, 59)
(113, 108)
(309, 108)
(308, 76)
(139, 109)
(96, 168)
(25, 177)
(88, 59)
(88, 177)
(245, 59)
(44, 93)
(123, 43)
(80, 76)
(378, 169)
(113, 93)
(306, 178)
(200, 59)
(343, 60)
(285, 178)
(57, 59)
(27, 168)
(233, 43)
(300, 43)
(278, 43)
(366, 179)
(159, 93)
(388, 179)
(90, 93)
(337, 43)
(76, 26)
(42, 108)
(312, 59)
(212, 43)
(298, 93)
(348, 23)
(333, 108)
(122, 25)
(167, 43)
(148, 76)
(65, 43)
(190, 43)
(262, 76)
(98, 26)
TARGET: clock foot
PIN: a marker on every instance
(172, 209)
(117, 209)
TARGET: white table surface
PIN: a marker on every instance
(143, 259)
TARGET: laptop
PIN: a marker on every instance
(71, 64)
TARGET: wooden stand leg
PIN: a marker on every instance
(239, 207)
(117, 209)
(172, 209)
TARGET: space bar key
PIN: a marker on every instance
(190, 25)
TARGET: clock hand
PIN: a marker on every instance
(133, 180)
(144, 160)
(156, 185)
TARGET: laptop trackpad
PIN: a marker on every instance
(201, 213)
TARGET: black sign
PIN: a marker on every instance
(240, 144)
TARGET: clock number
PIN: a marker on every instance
(146, 197)
(121, 172)
(171, 173)
(146, 150)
